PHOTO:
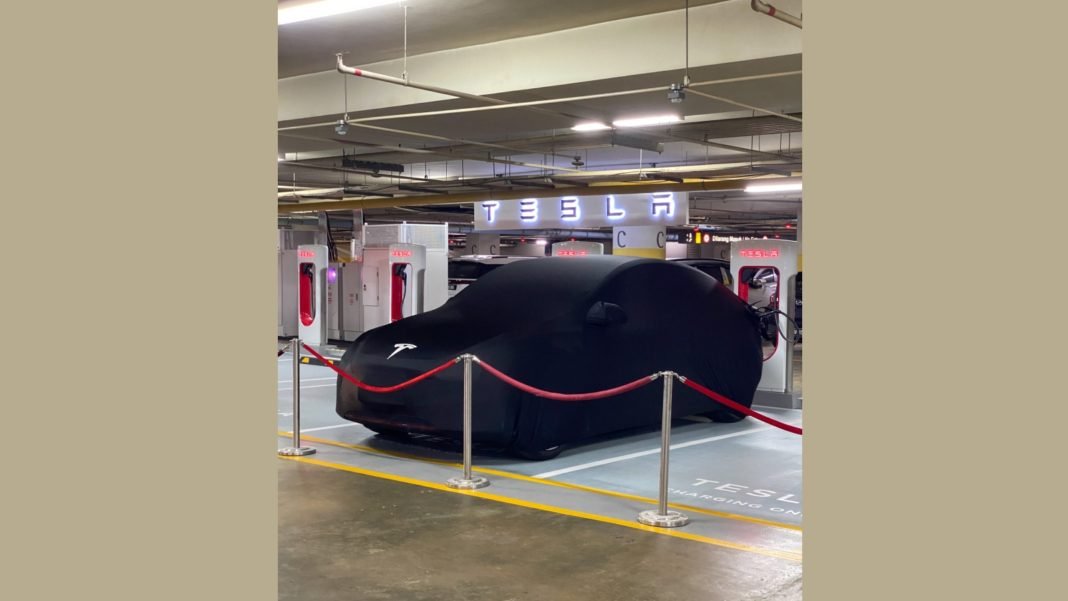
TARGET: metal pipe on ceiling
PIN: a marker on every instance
(473, 143)
(465, 197)
(343, 68)
(532, 103)
(771, 11)
(747, 106)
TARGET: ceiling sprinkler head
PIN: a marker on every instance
(676, 93)
(578, 162)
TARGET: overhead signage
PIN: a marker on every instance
(607, 210)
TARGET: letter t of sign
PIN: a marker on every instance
(491, 209)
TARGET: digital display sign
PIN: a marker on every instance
(306, 254)
(759, 253)
(404, 254)
(564, 252)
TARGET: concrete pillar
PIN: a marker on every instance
(483, 244)
(640, 241)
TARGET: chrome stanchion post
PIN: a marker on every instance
(468, 481)
(296, 450)
(662, 517)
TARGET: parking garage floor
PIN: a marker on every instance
(739, 483)
(348, 536)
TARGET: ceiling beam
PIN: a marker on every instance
(637, 188)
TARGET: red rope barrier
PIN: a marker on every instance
(382, 389)
(719, 398)
(560, 396)
(281, 352)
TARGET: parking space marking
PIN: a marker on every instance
(656, 451)
(787, 555)
(345, 425)
(515, 476)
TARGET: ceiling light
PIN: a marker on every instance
(644, 121)
(765, 188)
(324, 8)
(342, 126)
(541, 242)
(590, 127)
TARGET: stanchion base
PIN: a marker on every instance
(671, 519)
(296, 451)
(465, 484)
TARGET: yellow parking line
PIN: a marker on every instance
(514, 476)
(552, 509)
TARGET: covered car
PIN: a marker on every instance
(564, 324)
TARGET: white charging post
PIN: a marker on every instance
(312, 260)
(765, 276)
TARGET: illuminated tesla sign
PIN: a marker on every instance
(657, 208)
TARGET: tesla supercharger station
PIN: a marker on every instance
(312, 314)
(393, 277)
(574, 248)
(765, 276)
(434, 238)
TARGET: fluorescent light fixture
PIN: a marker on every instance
(307, 11)
(766, 188)
(590, 127)
(541, 242)
(643, 121)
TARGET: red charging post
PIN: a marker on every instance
(312, 260)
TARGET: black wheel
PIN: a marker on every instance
(538, 455)
(387, 432)
(723, 415)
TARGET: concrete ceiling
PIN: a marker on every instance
(377, 34)
(485, 47)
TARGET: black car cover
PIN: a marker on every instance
(565, 324)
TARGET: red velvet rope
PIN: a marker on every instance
(556, 396)
(281, 352)
(719, 398)
(560, 396)
(382, 389)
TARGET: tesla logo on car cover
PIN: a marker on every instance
(403, 346)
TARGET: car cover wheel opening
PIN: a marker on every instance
(724, 416)
(387, 432)
(538, 455)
